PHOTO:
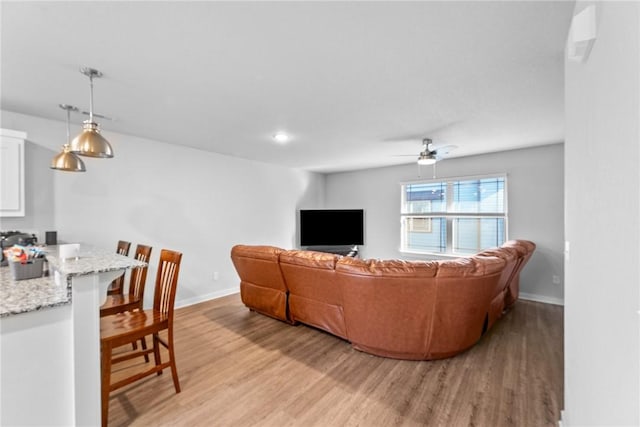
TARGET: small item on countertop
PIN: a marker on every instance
(29, 269)
(10, 238)
(26, 262)
(23, 254)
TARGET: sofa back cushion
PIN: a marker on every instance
(262, 287)
(510, 256)
(525, 249)
(387, 268)
(388, 305)
(314, 296)
(311, 275)
(465, 288)
(526, 246)
(258, 265)
(310, 259)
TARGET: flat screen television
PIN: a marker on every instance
(331, 227)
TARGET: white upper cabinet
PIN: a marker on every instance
(12, 172)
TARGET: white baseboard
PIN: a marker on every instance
(541, 298)
(202, 298)
(224, 292)
(562, 421)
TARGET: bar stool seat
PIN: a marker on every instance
(118, 303)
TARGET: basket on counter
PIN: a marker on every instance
(29, 269)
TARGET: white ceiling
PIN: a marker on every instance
(356, 84)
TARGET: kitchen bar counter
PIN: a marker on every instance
(22, 296)
(90, 260)
(50, 339)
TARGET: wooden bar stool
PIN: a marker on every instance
(117, 303)
(130, 326)
(116, 287)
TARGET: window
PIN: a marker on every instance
(456, 216)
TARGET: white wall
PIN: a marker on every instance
(535, 196)
(203, 203)
(167, 196)
(602, 164)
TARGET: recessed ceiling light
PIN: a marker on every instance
(281, 137)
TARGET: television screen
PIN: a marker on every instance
(331, 227)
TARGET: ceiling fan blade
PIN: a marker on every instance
(444, 150)
(447, 148)
(428, 148)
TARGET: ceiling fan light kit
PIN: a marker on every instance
(428, 156)
(426, 160)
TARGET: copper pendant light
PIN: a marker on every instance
(90, 143)
(66, 160)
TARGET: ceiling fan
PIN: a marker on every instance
(430, 154)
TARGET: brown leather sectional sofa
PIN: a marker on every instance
(416, 310)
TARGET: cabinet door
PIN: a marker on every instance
(12, 173)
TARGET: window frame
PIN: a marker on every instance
(449, 214)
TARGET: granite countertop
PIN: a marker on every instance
(21, 296)
(90, 260)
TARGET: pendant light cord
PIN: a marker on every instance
(91, 97)
(68, 130)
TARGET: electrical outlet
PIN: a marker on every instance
(556, 279)
(216, 276)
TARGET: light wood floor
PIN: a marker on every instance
(239, 368)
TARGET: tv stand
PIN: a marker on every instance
(344, 250)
